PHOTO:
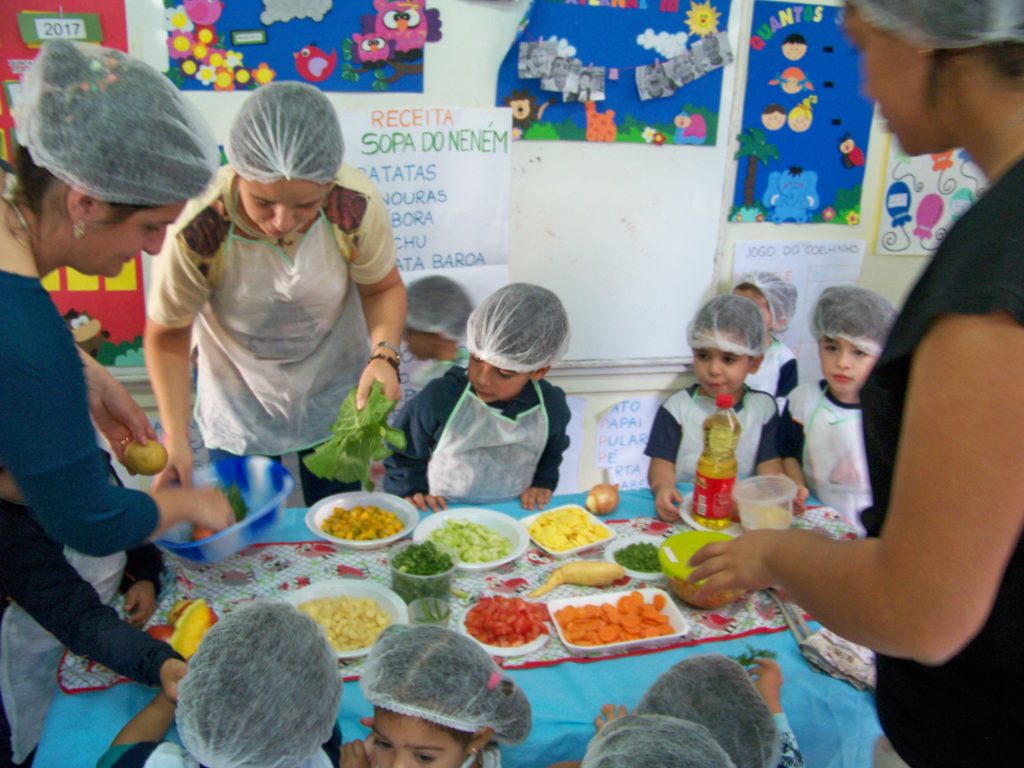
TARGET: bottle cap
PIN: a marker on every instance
(723, 401)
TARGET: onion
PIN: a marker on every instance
(603, 498)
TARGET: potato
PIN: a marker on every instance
(145, 459)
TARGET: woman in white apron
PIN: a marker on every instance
(277, 275)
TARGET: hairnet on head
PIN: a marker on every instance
(262, 691)
(654, 740)
(947, 23)
(730, 323)
(716, 692)
(780, 295)
(445, 678)
(438, 304)
(520, 327)
(286, 131)
(855, 314)
(113, 127)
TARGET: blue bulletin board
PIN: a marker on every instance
(805, 130)
(653, 70)
(336, 45)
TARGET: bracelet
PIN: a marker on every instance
(386, 358)
(388, 346)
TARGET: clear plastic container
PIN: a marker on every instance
(429, 610)
(765, 502)
(410, 586)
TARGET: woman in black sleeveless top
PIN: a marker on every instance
(938, 591)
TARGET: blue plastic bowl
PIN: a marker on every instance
(264, 484)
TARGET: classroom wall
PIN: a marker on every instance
(486, 29)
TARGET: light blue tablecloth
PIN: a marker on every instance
(835, 724)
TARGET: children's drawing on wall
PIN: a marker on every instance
(356, 45)
(924, 196)
(643, 71)
(805, 125)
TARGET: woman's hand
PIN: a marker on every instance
(114, 412)
(140, 602)
(207, 507)
(382, 371)
(737, 564)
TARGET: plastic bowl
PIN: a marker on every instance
(765, 502)
(674, 554)
(398, 506)
(264, 484)
(410, 586)
(502, 524)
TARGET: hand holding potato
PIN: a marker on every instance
(148, 459)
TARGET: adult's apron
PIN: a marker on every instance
(484, 457)
(281, 342)
(834, 460)
(29, 655)
(690, 410)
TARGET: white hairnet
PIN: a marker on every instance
(730, 323)
(855, 314)
(286, 131)
(780, 295)
(716, 692)
(438, 304)
(443, 677)
(947, 23)
(113, 127)
(654, 740)
(262, 691)
(520, 327)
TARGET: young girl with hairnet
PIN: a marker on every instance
(437, 698)
(821, 437)
(727, 337)
(262, 691)
(277, 275)
(776, 298)
(937, 587)
(496, 430)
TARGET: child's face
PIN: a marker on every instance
(497, 385)
(845, 368)
(402, 741)
(429, 346)
(766, 311)
(773, 121)
(723, 373)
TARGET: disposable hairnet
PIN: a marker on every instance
(520, 327)
(654, 740)
(855, 314)
(262, 691)
(780, 295)
(730, 323)
(286, 131)
(443, 677)
(947, 23)
(716, 692)
(438, 304)
(113, 127)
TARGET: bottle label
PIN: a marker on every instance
(712, 497)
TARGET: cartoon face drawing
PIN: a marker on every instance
(794, 47)
(773, 117)
(792, 81)
(370, 48)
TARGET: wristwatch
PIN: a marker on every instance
(388, 346)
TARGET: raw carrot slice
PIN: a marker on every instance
(609, 633)
(658, 601)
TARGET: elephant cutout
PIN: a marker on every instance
(791, 194)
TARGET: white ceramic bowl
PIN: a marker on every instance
(507, 651)
(733, 529)
(675, 619)
(389, 602)
(320, 511)
(502, 524)
(620, 543)
(526, 522)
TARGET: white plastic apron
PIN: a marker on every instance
(29, 655)
(281, 342)
(767, 377)
(483, 456)
(834, 460)
(699, 407)
(171, 755)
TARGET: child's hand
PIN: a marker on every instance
(355, 754)
(535, 498)
(171, 672)
(800, 501)
(609, 712)
(425, 502)
(139, 603)
(667, 504)
(767, 676)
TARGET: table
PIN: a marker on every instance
(835, 724)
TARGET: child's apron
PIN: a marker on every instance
(690, 413)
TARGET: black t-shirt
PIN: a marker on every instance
(967, 711)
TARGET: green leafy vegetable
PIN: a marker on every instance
(358, 438)
(642, 557)
(749, 658)
(238, 505)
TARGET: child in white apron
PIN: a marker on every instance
(822, 438)
(496, 430)
(777, 300)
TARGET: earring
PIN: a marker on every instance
(79, 230)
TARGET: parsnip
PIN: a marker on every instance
(587, 573)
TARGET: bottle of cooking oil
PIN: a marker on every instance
(716, 467)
